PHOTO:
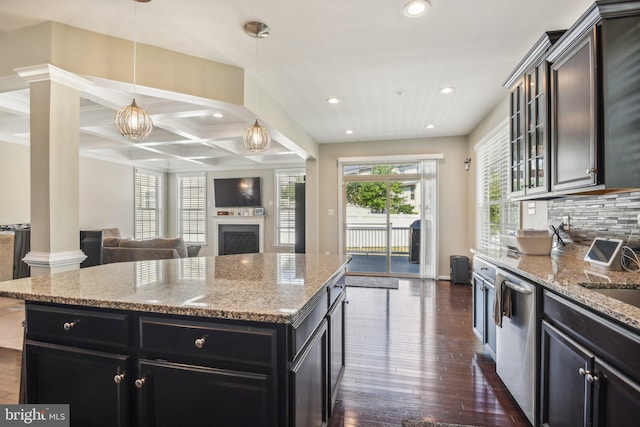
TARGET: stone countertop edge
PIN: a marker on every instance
(244, 290)
(565, 272)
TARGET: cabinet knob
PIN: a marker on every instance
(590, 171)
(592, 378)
(583, 372)
(118, 378)
(68, 325)
(140, 382)
(199, 342)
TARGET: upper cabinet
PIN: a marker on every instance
(529, 120)
(575, 127)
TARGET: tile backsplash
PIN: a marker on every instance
(610, 215)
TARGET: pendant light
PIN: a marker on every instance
(132, 121)
(256, 137)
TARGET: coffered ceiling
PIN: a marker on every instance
(385, 68)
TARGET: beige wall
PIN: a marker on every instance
(452, 190)
(498, 115)
(15, 204)
(106, 191)
(106, 195)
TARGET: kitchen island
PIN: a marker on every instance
(252, 339)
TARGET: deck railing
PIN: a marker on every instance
(372, 238)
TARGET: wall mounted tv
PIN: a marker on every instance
(236, 192)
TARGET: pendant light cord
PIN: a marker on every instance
(257, 77)
(135, 40)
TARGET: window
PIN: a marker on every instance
(496, 215)
(147, 200)
(286, 205)
(192, 212)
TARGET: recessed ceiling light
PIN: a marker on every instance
(218, 115)
(446, 90)
(430, 126)
(334, 100)
(415, 8)
(348, 131)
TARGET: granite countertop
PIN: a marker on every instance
(567, 273)
(270, 287)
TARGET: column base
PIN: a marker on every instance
(53, 262)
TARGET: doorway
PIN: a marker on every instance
(388, 212)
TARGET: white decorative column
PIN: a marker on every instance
(55, 157)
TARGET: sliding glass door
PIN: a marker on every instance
(388, 218)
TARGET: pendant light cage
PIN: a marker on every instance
(256, 138)
(132, 121)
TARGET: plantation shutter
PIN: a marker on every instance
(192, 217)
(147, 204)
(286, 205)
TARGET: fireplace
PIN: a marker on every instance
(238, 239)
(238, 234)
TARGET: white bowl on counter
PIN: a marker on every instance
(529, 242)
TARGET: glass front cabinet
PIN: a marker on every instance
(529, 98)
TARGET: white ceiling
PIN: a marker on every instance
(386, 68)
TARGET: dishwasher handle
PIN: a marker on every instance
(517, 287)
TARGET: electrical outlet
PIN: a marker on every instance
(565, 221)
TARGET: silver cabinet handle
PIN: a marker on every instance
(583, 372)
(118, 378)
(199, 342)
(140, 382)
(517, 287)
(484, 268)
(69, 325)
(590, 171)
(592, 378)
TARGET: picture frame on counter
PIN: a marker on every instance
(258, 211)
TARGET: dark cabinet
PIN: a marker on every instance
(589, 368)
(575, 155)
(563, 384)
(308, 379)
(337, 347)
(483, 296)
(86, 380)
(595, 123)
(529, 121)
(206, 395)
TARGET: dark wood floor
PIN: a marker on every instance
(411, 354)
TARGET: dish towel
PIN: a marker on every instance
(502, 301)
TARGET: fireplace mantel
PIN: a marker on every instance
(219, 220)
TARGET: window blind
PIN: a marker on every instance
(192, 215)
(496, 215)
(147, 201)
(286, 205)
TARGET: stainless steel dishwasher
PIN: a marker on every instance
(517, 344)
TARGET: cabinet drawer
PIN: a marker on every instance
(302, 330)
(88, 328)
(484, 269)
(335, 289)
(160, 337)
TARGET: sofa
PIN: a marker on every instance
(118, 249)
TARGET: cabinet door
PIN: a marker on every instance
(563, 390)
(490, 331)
(173, 394)
(337, 352)
(574, 138)
(616, 398)
(537, 178)
(82, 378)
(517, 139)
(478, 307)
(308, 382)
